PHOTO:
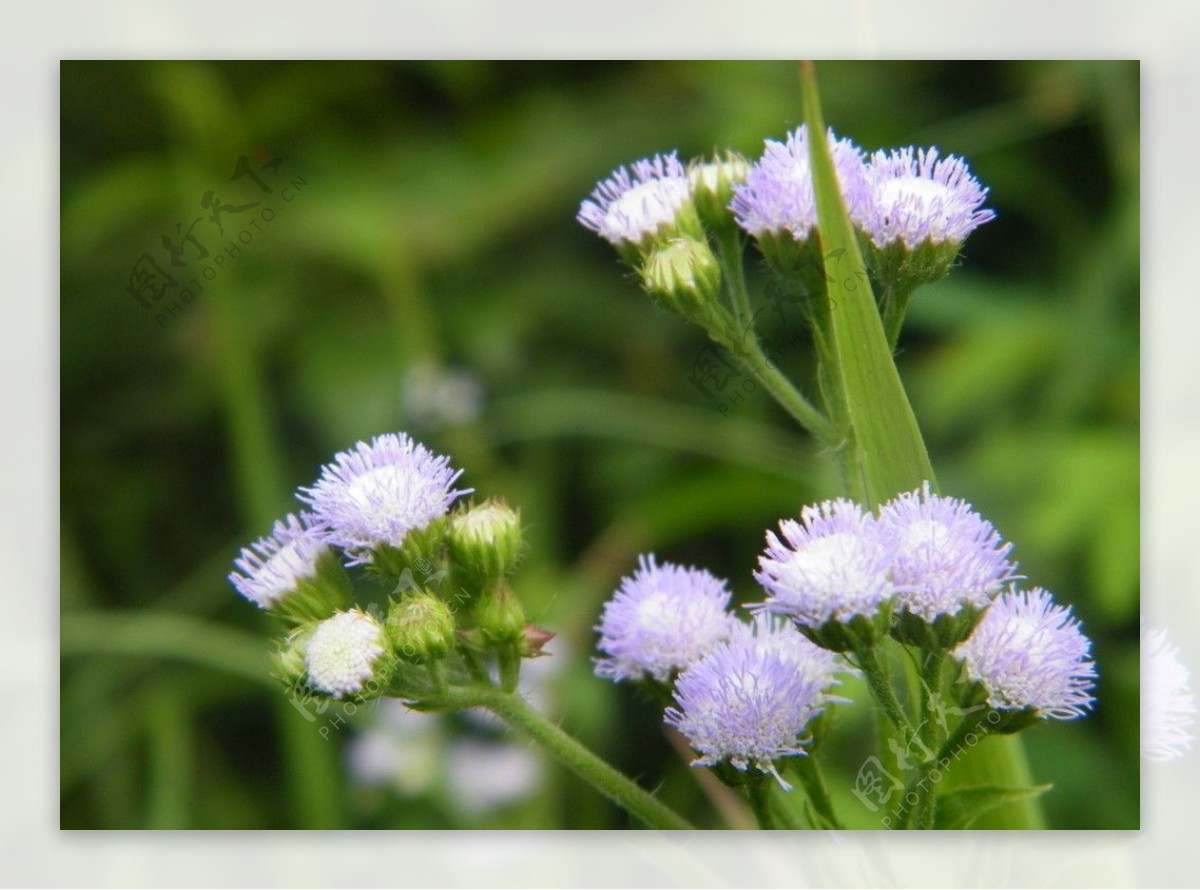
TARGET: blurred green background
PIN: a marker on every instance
(427, 275)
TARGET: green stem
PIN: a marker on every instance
(474, 665)
(923, 813)
(931, 695)
(729, 253)
(785, 815)
(510, 668)
(759, 793)
(437, 675)
(613, 784)
(749, 355)
(809, 772)
(894, 307)
(881, 690)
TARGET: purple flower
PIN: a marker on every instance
(777, 195)
(946, 557)
(913, 196)
(662, 619)
(271, 568)
(376, 494)
(777, 635)
(750, 699)
(834, 565)
(1029, 653)
(631, 206)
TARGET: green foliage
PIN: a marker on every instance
(962, 808)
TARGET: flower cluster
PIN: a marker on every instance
(744, 694)
(385, 505)
(912, 208)
(907, 196)
(929, 570)
(924, 569)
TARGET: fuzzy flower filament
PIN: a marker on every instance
(277, 571)
(777, 197)
(662, 619)
(1029, 654)
(947, 560)
(651, 198)
(829, 568)
(917, 196)
(375, 494)
(750, 701)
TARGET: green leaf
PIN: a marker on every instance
(959, 809)
(889, 453)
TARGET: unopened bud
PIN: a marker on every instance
(499, 616)
(288, 661)
(712, 185)
(420, 627)
(684, 274)
(485, 542)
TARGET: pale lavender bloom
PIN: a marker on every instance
(833, 566)
(750, 699)
(633, 204)
(271, 567)
(946, 557)
(662, 619)
(1028, 652)
(375, 494)
(778, 635)
(916, 196)
(1168, 707)
(777, 195)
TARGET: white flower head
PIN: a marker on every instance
(344, 653)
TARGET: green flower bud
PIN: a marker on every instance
(485, 542)
(420, 627)
(684, 274)
(712, 185)
(288, 663)
(499, 616)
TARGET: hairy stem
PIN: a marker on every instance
(809, 772)
(881, 690)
